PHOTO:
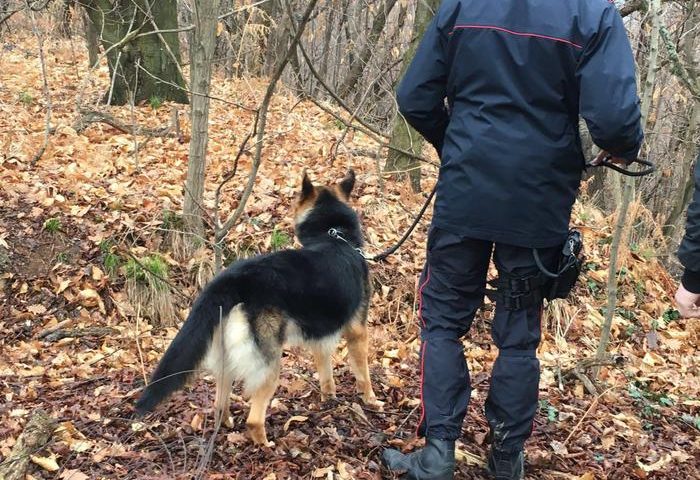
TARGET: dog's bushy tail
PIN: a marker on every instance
(187, 349)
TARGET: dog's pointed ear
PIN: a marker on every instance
(346, 184)
(307, 188)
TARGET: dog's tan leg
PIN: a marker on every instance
(324, 366)
(259, 402)
(223, 399)
(358, 345)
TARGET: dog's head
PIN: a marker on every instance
(320, 208)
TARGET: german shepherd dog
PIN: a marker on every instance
(311, 296)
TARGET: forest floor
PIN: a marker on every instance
(71, 226)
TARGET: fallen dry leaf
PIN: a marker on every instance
(47, 463)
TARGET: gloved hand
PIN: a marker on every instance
(687, 302)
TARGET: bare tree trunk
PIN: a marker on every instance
(224, 44)
(91, 40)
(66, 18)
(294, 61)
(270, 47)
(684, 194)
(201, 55)
(130, 32)
(342, 28)
(326, 49)
(403, 136)
(357, 66)
(685, 63)
(655, 12)
(690, 62)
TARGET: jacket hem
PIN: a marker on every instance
(517, 239)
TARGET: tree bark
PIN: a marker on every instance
(358, 64)
(326, 48)
(685, 193)
(269, 48)
(688, 61)
(224, 44)
(91, 41)
(294, 62)
(201, 55)
(403, 136)
(66, 18)
(138, 34)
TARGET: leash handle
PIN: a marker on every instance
(651, 168)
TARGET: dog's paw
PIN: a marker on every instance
(227, 421)
(257, 434)
(371, 401)
(327, 396)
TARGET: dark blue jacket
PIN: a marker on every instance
(516, 75)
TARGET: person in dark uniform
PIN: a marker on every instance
(497, 88)
(688, 293)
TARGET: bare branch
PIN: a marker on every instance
(632, 6)
(261, 120)
(368, 129)
(334, 95)
(8, 16)
(241, 9)
(679, 69)
(210, 97)
(36, 435)
(640, 5)
(370, 133)
(230, 175)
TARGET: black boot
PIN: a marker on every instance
(507, 465)
(435, 461)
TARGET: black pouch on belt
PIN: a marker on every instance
(568, 269)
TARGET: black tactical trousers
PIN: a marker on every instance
(451, 289)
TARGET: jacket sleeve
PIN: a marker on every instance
(689, 251)
(421, 93)
(608, 88)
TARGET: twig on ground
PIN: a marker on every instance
(585, 414)
(88, 116)
(579, 371)
(35, 435)
(79, 332)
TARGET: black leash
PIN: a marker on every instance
(337, 234)
(651, 168)
(380, 257)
